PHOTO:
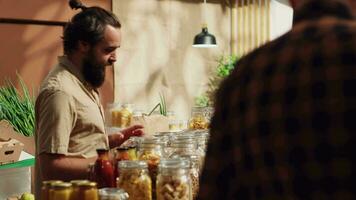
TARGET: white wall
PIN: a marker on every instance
(281, 18)
(156, 53)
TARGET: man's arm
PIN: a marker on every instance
(61, 167)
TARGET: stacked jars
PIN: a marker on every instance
(134, 179)
(173, 181)
(123, 153)
(75, 190)
(151, 151)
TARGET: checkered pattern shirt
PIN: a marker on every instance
(285, 119)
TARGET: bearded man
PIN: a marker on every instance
(69, 115)
(284, 121)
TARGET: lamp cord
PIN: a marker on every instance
(205, 16)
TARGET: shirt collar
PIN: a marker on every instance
(68, 65)
(314, 10)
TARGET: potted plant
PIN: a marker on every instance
(225, 65)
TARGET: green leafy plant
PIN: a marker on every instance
(162, 106)
(225, 65)
(17, 109)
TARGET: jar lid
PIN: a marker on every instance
(78, 182)
(113, 194)
(174, 163)
(62, 185)
(132, 164)
(87, 184)
(50, 182)
(151, 141)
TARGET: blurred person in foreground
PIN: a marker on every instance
(284, 124)
(69, 115)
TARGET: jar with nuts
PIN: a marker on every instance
(173, 180)
(134, 179)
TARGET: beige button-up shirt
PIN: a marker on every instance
(69, 115)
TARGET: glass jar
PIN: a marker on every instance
(75, 188)
(134, 179)
(113, 194)
(122, 117)
(112, 110)
(194, 173)
(104, 170)
(60, 191)
(151, 151)
(123, 153)
(198, 119)
(87, 191)
(46, 186)
(186, 146)
(173, 181)
(165, 138)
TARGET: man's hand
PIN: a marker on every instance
(117, 139)
(135, 130)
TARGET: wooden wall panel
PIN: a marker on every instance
(253, 17)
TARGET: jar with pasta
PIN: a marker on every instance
(198, 120)
(173, 181)
(134, 179)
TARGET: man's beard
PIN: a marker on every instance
(93, 72)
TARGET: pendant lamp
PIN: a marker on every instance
(204, 39)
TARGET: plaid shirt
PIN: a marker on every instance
(285, 121)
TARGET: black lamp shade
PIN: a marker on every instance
(204, 39)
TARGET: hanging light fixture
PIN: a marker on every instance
(204, 39)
